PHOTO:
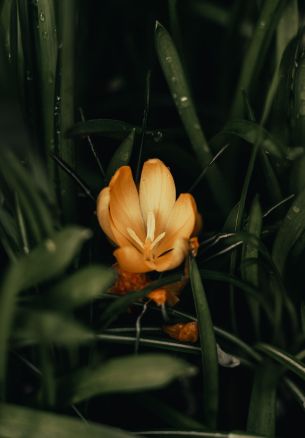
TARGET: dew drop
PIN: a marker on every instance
(158, 135)
(168, 59)
(50, 245)
(42, 17)
(296, 209)
(184, 102)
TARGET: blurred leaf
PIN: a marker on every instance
(52, 257)
(47, 260)
(9, 227)
(262, 409)
(80, 288)
(208, 348)
(186, 433)
(20, 422)
(282, 357)
(34, 209)
(292, 228)
(250, 272)
(297, 88)
(49, 327)
(253, 60)
(249, 131)
(174, 74)
(122, 155)
(287, 27)
(128, 374)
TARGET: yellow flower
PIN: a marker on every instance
(150, 227)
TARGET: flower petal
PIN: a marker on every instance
(157, 192)
(173, 258)
(131, 260)
(102, 212)
(124, 204)
(180, 223)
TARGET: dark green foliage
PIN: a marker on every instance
(217, 91)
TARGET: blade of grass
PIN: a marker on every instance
(282, 357)
(208, 348)
(44, 28)
(67, 16)
(250, 273)
(19, 422)
(262, 409)
(122, 155)
(253, 61)
(174, 74)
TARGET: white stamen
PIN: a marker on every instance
(157, 240)
(151, 225)
(135, 237)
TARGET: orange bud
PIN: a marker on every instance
(183, 332)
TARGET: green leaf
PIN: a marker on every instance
(262, 410)
(52, 256)
(283, 358)
(208, 348)
(291, 230)
(65, 102)
(19, 422)
(256, 52)
(44, 28)
(128, 374)
(250, 272)
(81, 287)
(122, 155)
(49, 327)
(174, 74)
(250, 131)
(34, 209)
(46, 261)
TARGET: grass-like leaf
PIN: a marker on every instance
(283, 358)
(46, 261)
(174, 74)
(290, 232)
(208, 348)
(122, 155)
(20, 422)
(128, 374)
(262, 409)
(80, 288)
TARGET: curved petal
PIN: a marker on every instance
(180, 224)
(173, 258)
(102, 212)
(130, 260)
(157, 192)
(124, 203)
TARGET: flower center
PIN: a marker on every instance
(150, 242)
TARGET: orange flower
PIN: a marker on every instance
(150, 227)
(184, 332)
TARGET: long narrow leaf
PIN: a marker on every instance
(208, 348)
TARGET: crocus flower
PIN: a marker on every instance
(150, 227)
